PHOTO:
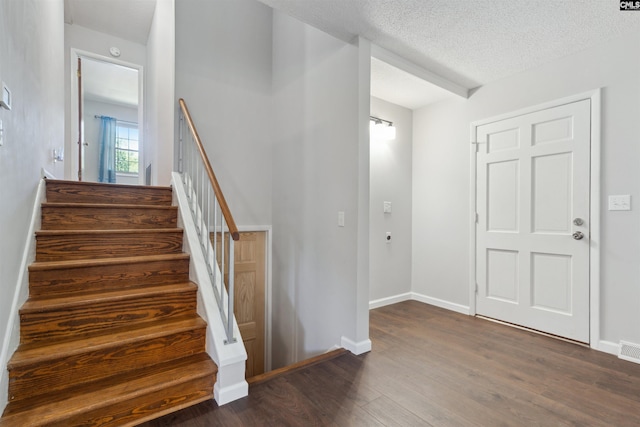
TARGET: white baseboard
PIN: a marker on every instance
(459, 308)
(12, 331)
(224, 395)
(46, 174)
(607, 347)
(389, 300)
(356, 347)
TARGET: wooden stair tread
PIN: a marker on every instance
(93, 192)
(106, 392)
(71, 301)
(80, 263)
(106, 184)
(107, 232)
(27, 354)
(110, 334)
(105, 206)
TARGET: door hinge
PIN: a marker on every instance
(477, 218)
(476, 288)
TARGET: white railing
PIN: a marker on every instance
(216, 228)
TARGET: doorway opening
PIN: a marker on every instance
(103, 88)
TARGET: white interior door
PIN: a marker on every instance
(532, 199)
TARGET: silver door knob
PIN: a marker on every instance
(578, 221)
(578, 235)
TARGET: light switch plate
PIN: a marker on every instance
(620, 202)
(387, 207)
(340, 219)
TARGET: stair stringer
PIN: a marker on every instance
(21, 293)
(230, 381)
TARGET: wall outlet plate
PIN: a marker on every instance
(620, 202)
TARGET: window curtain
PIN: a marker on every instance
(107, 158)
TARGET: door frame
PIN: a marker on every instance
(594, 204)
(71, 169)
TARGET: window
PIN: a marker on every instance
(127, 148)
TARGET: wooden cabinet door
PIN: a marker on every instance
(249, 297)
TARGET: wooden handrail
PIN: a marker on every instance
(231, 224)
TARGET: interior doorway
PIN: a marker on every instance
(106, 91)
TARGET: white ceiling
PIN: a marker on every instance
(107, 82)
(401, 88)
(127, 19)
(468, 42)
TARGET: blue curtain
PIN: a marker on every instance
(107, 158)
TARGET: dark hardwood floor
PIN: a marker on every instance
(433, 367)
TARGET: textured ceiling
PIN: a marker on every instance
(401, 88)
(127, 19)
(470, 42)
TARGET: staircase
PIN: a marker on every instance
(109, 335)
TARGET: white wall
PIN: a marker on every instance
(98, 43)
(223, 71)
(276, 103)
(391, 181)
(160, 106)
(315, 175)
(31, 55)
(92, 136)
(441, 176)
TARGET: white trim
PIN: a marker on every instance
(607, 347)
(381, 302)
(594, 211)
(414, 296)
(225, 393)
(12, 331)
(472, 220)
(398, 61)
(594, 254)
(46, 174)
(268, 309)
(71, 169)
(356, 347)
(458, 308)
(230, 358)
